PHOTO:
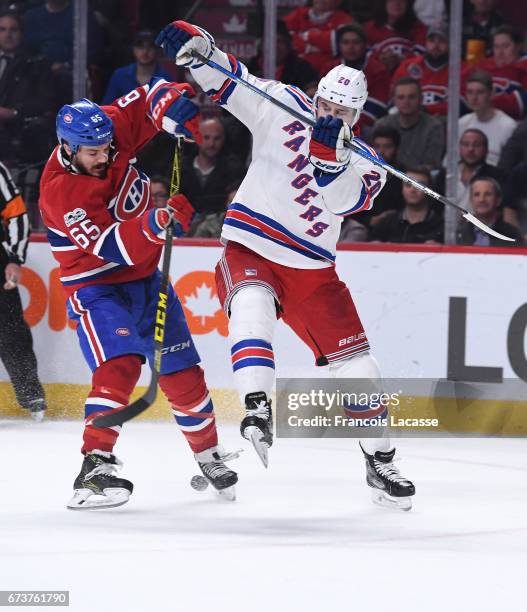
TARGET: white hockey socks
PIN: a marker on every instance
(251, 327)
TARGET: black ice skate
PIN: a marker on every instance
(37, 409)
(97, 478)
(257, 425)
(212, 465)
(390, 489)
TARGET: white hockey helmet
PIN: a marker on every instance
(345, 86)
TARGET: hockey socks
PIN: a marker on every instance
(192, 407)
(112, 384)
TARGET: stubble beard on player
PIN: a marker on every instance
(98, 171)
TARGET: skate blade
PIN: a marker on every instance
(228, 494)
(262, 450)
(38, 415)
(85, 499)
(381, 498)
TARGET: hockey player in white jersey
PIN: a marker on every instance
(280, 236)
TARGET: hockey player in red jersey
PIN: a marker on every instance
(508, 69)
(107, 237)
(431, 70)
(280, 233)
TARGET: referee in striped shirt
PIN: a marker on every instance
(16, 343)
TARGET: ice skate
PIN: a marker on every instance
(390, 489)
(37, 409)
(257, 425)
(212, 465)
(96, 486)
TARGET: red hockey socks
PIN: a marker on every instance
(112, 384)
(192, 406)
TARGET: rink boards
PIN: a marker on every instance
(429, 312)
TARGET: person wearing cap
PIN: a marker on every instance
(431, 70)
(139, 73)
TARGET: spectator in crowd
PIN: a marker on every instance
(206, 177)
(209, 225)
(514, 151)
(494, 123)
(485, 200)
(352, 46)
(16, 343)
(26, 97)
(418, 221)
(126, 78)
(422, 136)
(473, 148)
(386, 142)
(49, 32)
(430, 12)
(309, 25)
(508, 69)
(480, 21)
(160, 190)
(395, 32)
(431, 70)
(290, 68)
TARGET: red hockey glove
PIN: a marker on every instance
(173, 112)
(178, 213)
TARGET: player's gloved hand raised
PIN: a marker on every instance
(173, 112)
(180, 38)
(178, 213)
(327, 151)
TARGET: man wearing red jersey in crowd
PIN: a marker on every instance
(352, 50)
(307, 24)
(431, 70)
(395, 32)
(508, 70)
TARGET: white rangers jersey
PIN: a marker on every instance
(285, 209)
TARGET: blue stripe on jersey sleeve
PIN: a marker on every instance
(110, 250)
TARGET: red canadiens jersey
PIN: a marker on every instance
(97, 228)
(434, 82)
(307, 31)
(378, 79)
(509, 83)
(383, 38)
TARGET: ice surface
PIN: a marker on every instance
(302, 535)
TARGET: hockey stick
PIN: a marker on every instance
(374, 160)
(118, 417)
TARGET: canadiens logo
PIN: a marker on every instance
(433, 94)
(122, 331)
(68, 118)
(133, 197)
(74, 216)
(414, 70)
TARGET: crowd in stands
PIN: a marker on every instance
(401, 45)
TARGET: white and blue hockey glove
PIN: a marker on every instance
(326, 147)
(180, 38)
(178, 213)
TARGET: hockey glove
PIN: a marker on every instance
(178, 213)
(174, 113)
(326, 147)
(180, 38)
